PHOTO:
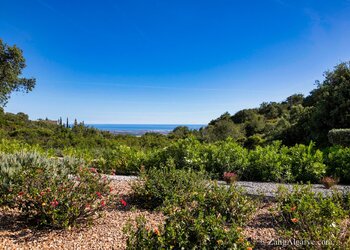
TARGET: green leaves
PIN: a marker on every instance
(12, 63)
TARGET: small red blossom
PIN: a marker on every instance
(103, 203)
(98, 194)
(21, 193)
(123, 202)
(292, 209)
(294, 220)
(54, 203)
(42, 193)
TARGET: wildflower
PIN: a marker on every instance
(103, 204)
(110, 189)
(54, 203)
(249, 248)
(123, 202)
(294, 220)
(292, 209)
(43, 204)
(42, 193)
(21, 193)
(156, 231)
(219, 242)
(98, 194)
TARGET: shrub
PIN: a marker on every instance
(329, 182)
(338, 163)
(269, 163)
(168, 183)
(339, 137)
(306, 163)
(49, 191)
(301, 214)
(228, 202)
(225, 156)
(186, 229)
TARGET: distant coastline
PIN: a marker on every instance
(140, 129)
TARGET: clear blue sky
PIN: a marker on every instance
(170, 61)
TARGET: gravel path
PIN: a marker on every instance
(267, 189)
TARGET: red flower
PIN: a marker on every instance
(98, 194)
(54, 203)
(123, 202)
(156, 231)
(21, 193)
(42, 193)
(103, 204)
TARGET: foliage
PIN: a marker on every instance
(186, 229)
(49, 191)
(338, 163)
(301, 214)
(12, 63)
(339, 137)
(200, 214)
(166, 184)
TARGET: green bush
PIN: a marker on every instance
(307, 163)
(228, 202)
(186, 229)
(269, 163)
(225, 156)
(339, 137)
(301, 214)
(338, 162)
(166, 184)
(49, 191)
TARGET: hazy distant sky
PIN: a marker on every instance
(170, 61)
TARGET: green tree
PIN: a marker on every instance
(12, 63)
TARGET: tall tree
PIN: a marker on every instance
(12, 63)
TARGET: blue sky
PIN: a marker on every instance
(178, 62)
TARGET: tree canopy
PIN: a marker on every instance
(12, 64)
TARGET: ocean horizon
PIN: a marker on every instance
(140, 129)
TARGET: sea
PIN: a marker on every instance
(140, 129)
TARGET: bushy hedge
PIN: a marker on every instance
(339, 137)
(338, 161)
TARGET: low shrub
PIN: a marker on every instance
(158, 185)
(49, 191)
(306, 163)
(338, 163)
(186, 229)
(270, 163)
(228, 202)
(318, 220)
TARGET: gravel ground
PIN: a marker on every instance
(268, 189)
